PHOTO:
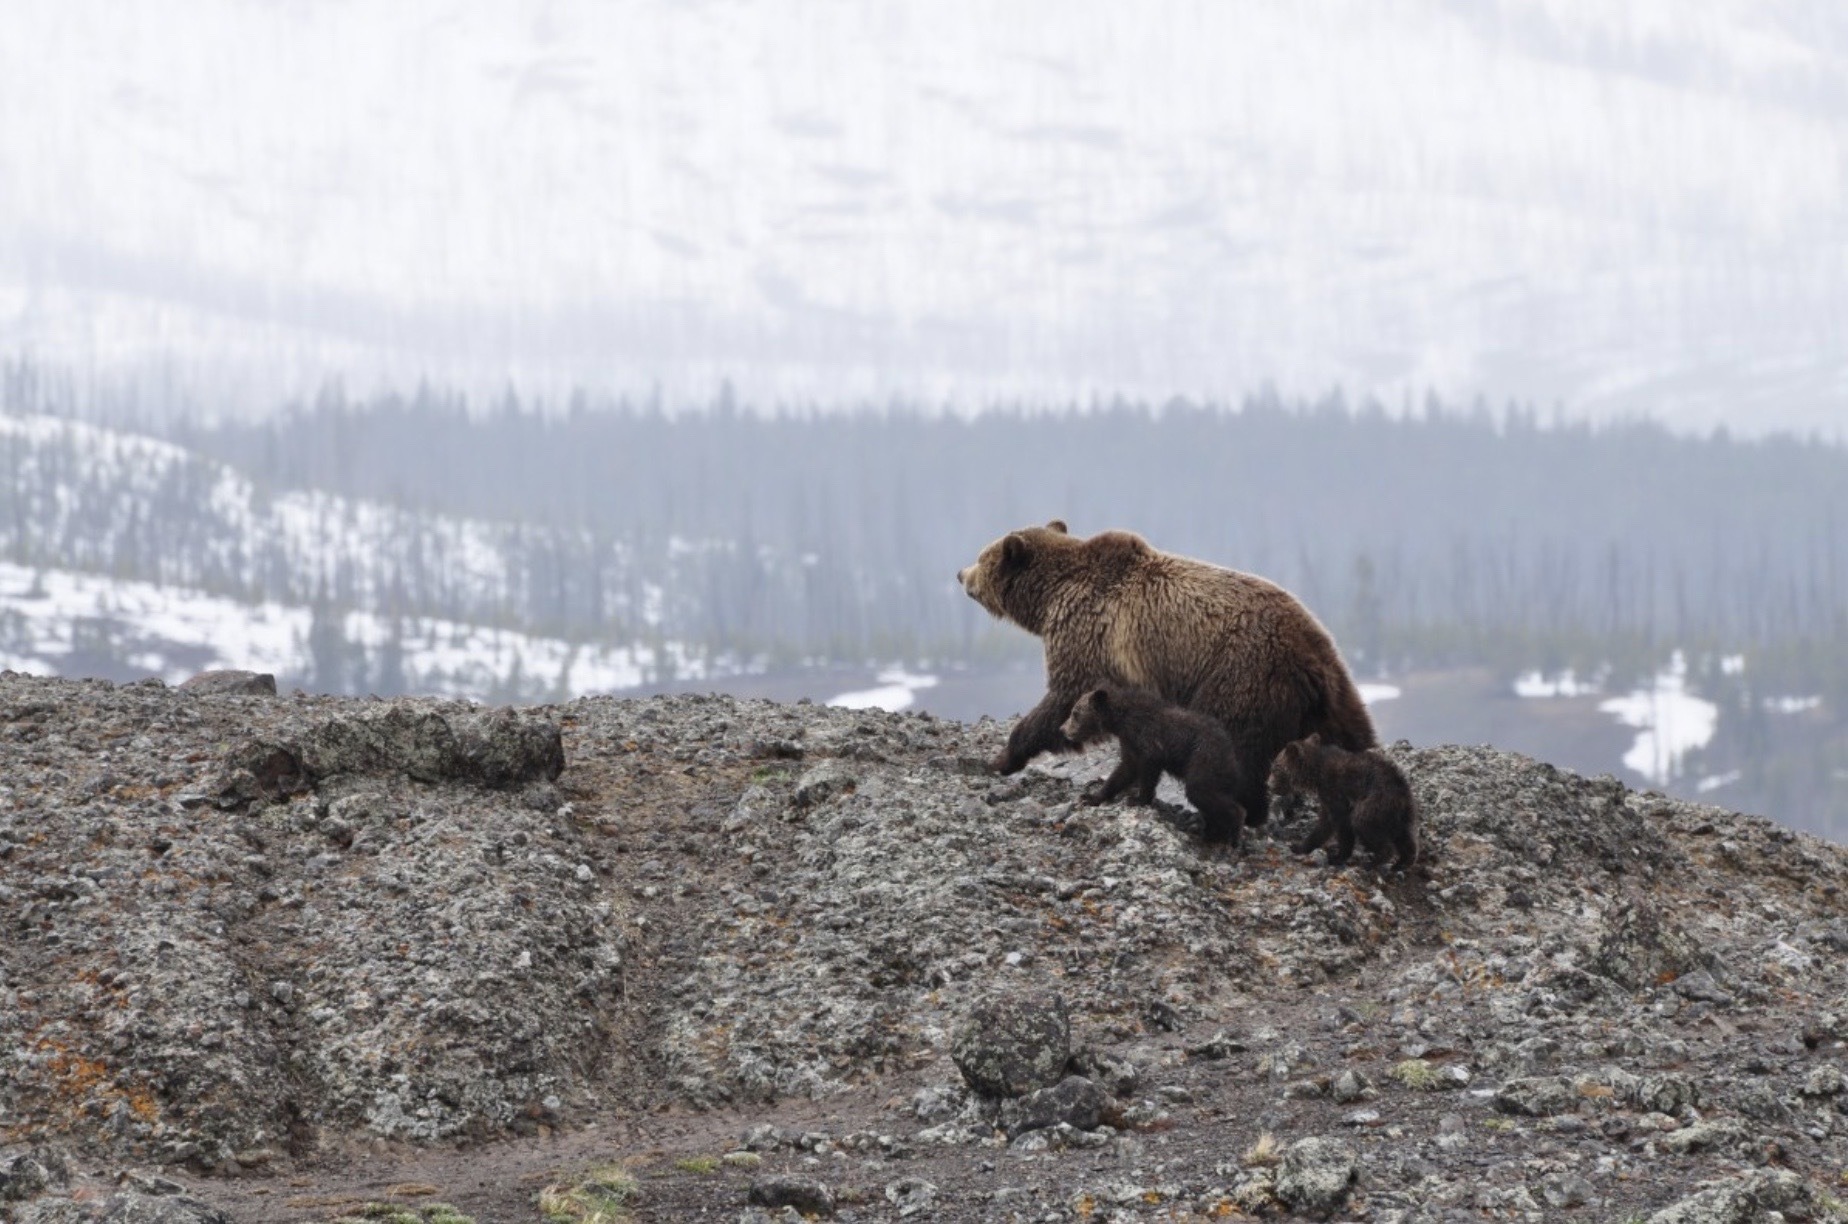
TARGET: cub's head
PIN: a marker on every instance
(1012, 577)
(1290, 770)
(1089, 720)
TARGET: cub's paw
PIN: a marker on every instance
(1094, 796)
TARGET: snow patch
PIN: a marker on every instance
(1565, 684)
(1373, 694)
(1672, 722)
(898, 690)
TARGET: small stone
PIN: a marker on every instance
(1537, 1097)
(911, 1195)
(1074, 1101)
(1823, 1081)
(1349, 1086)
(1220, 1045)
(807, 1197)
(226, 682)
(1566, 1190)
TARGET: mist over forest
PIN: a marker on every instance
(725, 539)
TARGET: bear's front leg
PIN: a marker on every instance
(1037, 732)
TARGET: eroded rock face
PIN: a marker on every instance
(1011, 1045)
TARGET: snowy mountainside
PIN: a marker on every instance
(124, 555)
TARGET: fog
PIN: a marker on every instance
(1619, 210)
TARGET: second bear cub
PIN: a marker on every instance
(1157, 735)
(1361, 794)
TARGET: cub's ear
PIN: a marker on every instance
(1100, 698)
(1057, 525)
(1014, 550)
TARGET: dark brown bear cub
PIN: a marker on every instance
(1157, 735)
(1361, 794)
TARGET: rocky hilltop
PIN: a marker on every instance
(299, 958)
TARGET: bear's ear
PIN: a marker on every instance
(1100, 698)
(1014, 550)
(1057, 525)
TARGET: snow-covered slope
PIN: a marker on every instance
(124, 555)
(1619, 207)
(60, 622)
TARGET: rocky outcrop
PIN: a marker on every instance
(235, 933)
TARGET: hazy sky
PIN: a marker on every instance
(1622, 208)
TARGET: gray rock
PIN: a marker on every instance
(1711, 1132)
(1116, 1076)
(1315, 1176)
(937, 1102)
(1566, 1190)
(1741, 1201)
(227, 682)
(1010, 1045)
(1074, 1101)
(1349, 1086)
(124, 1208)
(1700, 986)
(1537, 1097)
(912, 1196)
(1640, 946)
(501, 748)
(822, 783)
(807, 1197)
(22, 1178)
(1823, 1081)
(1667, 1094)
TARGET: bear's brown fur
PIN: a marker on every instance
(1361, 794)
(1111, 609)
(1154, 736)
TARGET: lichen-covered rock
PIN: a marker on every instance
(229, 683)
(506, 748)
(394, 738)
(811, 1198)
(1315, 1176)
(1744, 1200)
(1537, 1096)
(127, 1208)
(1012, 1044)
(1073, 1101)
(1640, 947)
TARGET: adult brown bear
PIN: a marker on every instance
(1113, 610)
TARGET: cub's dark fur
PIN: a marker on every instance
(1157, 735)
(1362, 795)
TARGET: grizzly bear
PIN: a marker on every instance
(1113, 610)
(1155, 736)
(1361, 794)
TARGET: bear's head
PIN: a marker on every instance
(1012, 577)
(1293, 770)
(1089, 720)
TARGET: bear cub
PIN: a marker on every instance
(1157, 735)
(1362, 795)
